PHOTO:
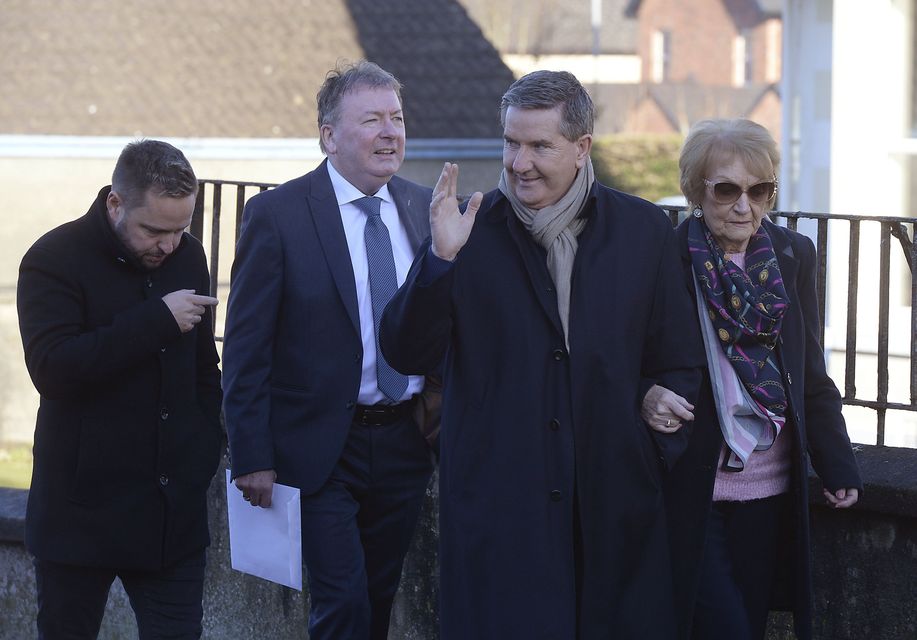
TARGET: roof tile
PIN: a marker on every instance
(234, 68)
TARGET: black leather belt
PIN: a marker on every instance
(379, 415)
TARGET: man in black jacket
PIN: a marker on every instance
(118, 338)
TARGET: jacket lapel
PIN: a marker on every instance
(786, 257)
(681, 236)
(535, 261)
(330, 230)
(410, 212)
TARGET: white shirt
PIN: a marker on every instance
(354, 223)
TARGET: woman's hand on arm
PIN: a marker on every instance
(664, 410)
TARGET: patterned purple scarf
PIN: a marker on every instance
(746, 309)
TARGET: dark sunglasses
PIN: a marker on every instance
(729, 192)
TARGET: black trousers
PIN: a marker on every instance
(167, 603)
(357, 528)
(739, 568)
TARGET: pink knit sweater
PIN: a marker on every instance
(766, 474)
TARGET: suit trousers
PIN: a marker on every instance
(357, 528)
(166, 603)
(738, 569)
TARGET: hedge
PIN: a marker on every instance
(644, 165)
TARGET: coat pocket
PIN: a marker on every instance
(648, 453)
(111, 458)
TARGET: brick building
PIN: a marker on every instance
(652, 66)
(703, 58)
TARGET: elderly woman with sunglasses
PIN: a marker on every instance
(738, 499)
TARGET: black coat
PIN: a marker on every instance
(128, 435)
(533, 435)
(818, 429)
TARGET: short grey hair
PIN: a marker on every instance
(547, 90)
(349, 77)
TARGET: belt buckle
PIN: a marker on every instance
(372, 416)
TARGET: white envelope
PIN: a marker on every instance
(266, 542)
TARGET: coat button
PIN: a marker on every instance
(789, 378)
(164, 414)
(149, 283)
(162, 350)
(555, 495)
(554, 424)
(163, 479)
(350, 404)
(357, 358)
(558, 354)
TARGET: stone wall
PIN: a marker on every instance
(865, 576)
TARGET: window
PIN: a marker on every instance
(743, 59)
(661, 55)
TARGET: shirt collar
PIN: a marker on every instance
(347, 193)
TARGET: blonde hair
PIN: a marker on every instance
(712, 141)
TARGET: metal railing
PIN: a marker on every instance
(243, 191)
(208, 219)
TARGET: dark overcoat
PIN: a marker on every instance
(551, 515)
(128, 434)
(818, 430)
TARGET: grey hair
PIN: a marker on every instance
(349, 77)
(547, 90)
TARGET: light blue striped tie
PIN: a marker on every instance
(383, 282)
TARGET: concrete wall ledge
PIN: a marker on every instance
(890, 480)
(12, 514)
(889, 475)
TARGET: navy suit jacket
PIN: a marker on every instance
(292, 353)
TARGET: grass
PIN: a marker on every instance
(15, 466)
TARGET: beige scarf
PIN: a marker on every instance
(555, 228)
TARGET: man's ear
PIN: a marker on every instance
(115, 206)
(583, 147)
(327, 134)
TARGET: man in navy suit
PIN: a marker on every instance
(309, 400)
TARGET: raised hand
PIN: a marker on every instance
(449, 228)
(187, 307)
